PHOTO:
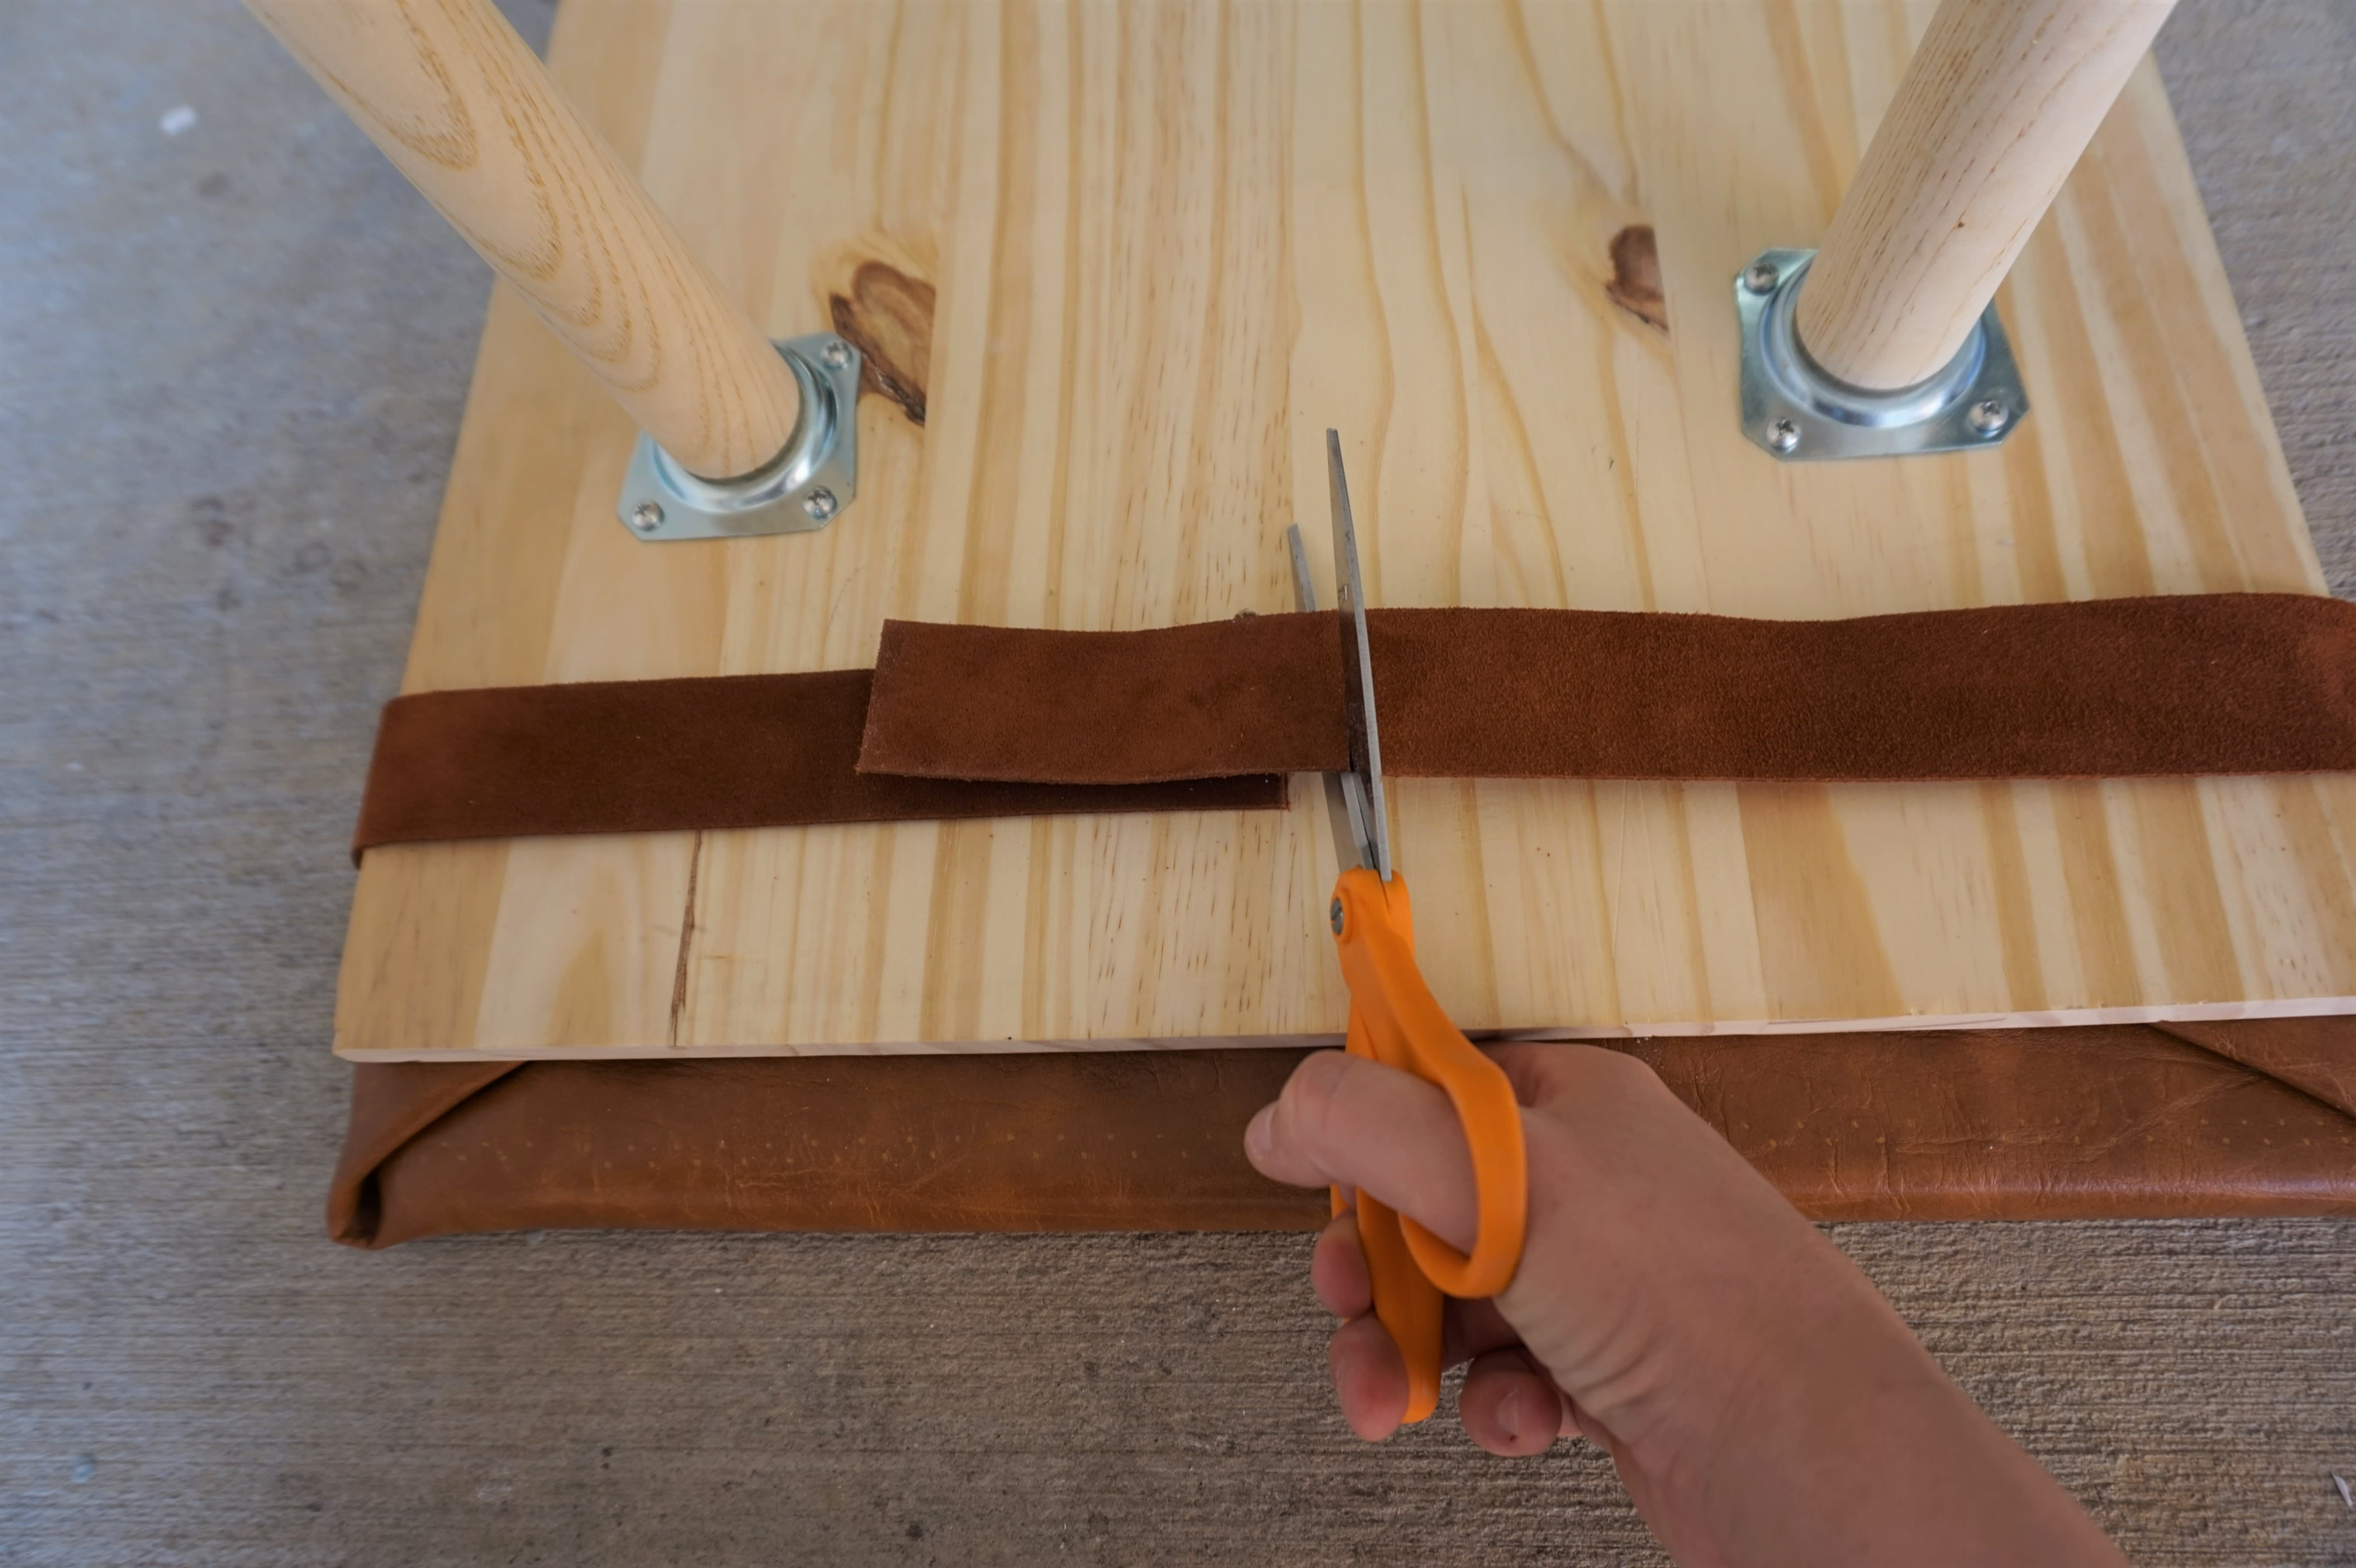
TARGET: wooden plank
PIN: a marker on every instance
(1171, 243)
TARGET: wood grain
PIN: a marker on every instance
(1167, 245)
(465, 108)
(1997, 104)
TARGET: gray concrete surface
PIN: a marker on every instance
(231, 364)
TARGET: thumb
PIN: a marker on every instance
(1344, 1121)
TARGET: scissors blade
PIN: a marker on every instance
(1357, 672)
(1344, 812)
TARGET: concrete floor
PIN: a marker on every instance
(231, 365)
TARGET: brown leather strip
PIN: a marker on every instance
(760, 750)
(2215, 683)
(991, 722)
(2104, 1121)
(997, 702)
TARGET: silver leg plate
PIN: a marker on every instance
(805, 487)
(1800, 413)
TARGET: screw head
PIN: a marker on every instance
(1334, 915)
(646, 516)
(1761, 277)
(836, 355)
(1989, 415)
(820, 503)
(1784, 436)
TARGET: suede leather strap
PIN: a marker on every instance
(2212, 683)
(756, 751)
(960, 721)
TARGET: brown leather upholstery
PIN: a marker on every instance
(2251, 1117)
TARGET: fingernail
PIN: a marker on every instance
(1509, 1413)
(1260, 1138)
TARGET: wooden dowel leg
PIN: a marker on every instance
(466, 109)
(1997, 104)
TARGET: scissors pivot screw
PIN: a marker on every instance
(1334, 915)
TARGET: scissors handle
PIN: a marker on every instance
(1408, 1305)
(1395, 1019)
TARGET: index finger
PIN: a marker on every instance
(1342, 1120)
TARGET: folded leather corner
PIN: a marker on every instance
(2316, 1056)
(392, 1102)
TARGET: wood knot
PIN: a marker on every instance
(1635, 285)
(888, 317)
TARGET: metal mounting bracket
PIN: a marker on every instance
(805, 487)
(1801, 414)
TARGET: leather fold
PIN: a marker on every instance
(392, 1103)
(2089, 1121)
(2316, 1056)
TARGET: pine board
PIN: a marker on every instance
(1171, 243)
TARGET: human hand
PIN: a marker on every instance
(1757, 1395)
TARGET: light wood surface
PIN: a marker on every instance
(466, 109)
(1999, 101)
(1169, 245)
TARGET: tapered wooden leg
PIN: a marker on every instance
(465, 108)
(1992, 114)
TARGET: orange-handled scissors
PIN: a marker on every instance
(1395, 1020)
